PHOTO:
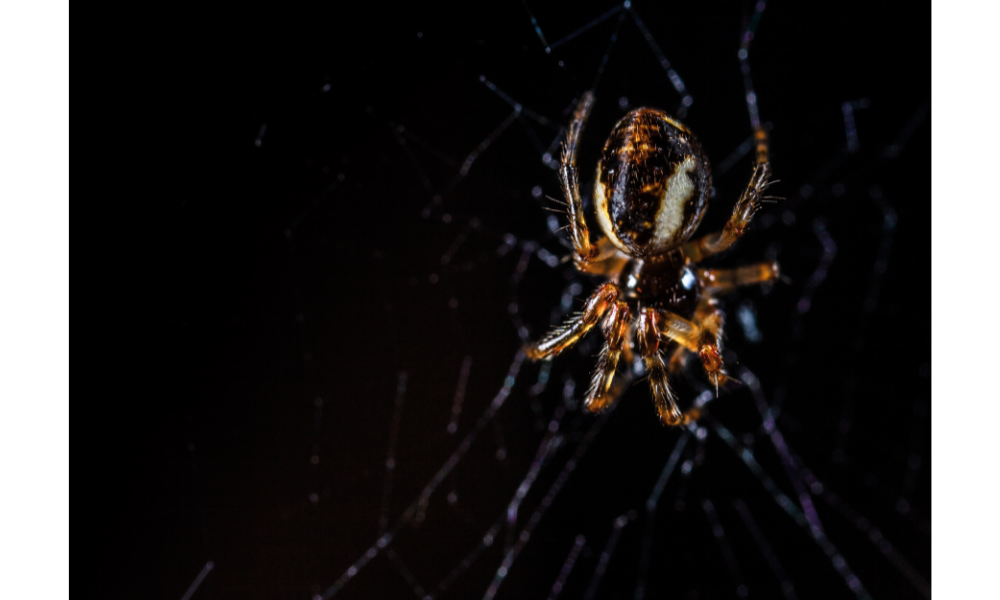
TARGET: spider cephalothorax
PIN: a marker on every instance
(651, 191)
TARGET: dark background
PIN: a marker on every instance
(294, 277)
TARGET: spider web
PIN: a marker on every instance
(387, 438)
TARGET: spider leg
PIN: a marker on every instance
(710, 321)
(616, 330)
(602, 258)
(724, 280)
(648, 334)
(750, 202)
(675, 327)
(571, 331)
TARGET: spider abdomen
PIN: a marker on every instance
(653, 182)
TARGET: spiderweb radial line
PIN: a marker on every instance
(686, 98)
(197, 580)
(744, 53)
(605, 558)
(874, 534)
(436, 481)
(837, 559)
(567, 567)
(787, 588)
(604, 17)
(544, 505)
(727, 551)
(651, 505)
(550, 443)
(390, 459)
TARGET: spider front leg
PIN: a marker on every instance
(746, 207)
(648, 330)
(616, 329)
(587, 256)
(571, 331)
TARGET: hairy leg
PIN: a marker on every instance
(710, 321)
(648, 336)
(588, 257)
(569, 333)
(616, 329)
(746, 207)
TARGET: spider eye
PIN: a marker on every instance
(652, 184)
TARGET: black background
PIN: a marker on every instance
(301, 268)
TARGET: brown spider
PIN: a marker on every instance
(652, 188)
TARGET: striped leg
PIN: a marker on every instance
(616, 327)
(569, 333)
(746, 207)
(648, 333)
(710, 321)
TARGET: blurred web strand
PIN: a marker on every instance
(848, 108)
(607, 53)
(456, 405)
(609, 548)
(744, 53)
(805, 482)
(817, 488)
(818, 276)
(447, 257)
(390, 458)
(686, 98)
(400, 567)
(597, 21)
(778, 441)
(871, 532)
(550, 443)
(918, 118)
(786, 504)
(724, 547)
(869, 306)
(765, 548)
(197, 580)
(889, 218)
(527, 112)
(567, 567)
(534, 23)
(675, 79)
(397, 132)
(651, 505)
(544, 505)
(734, 157)
(435, 482)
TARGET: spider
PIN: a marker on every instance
(651, 192)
